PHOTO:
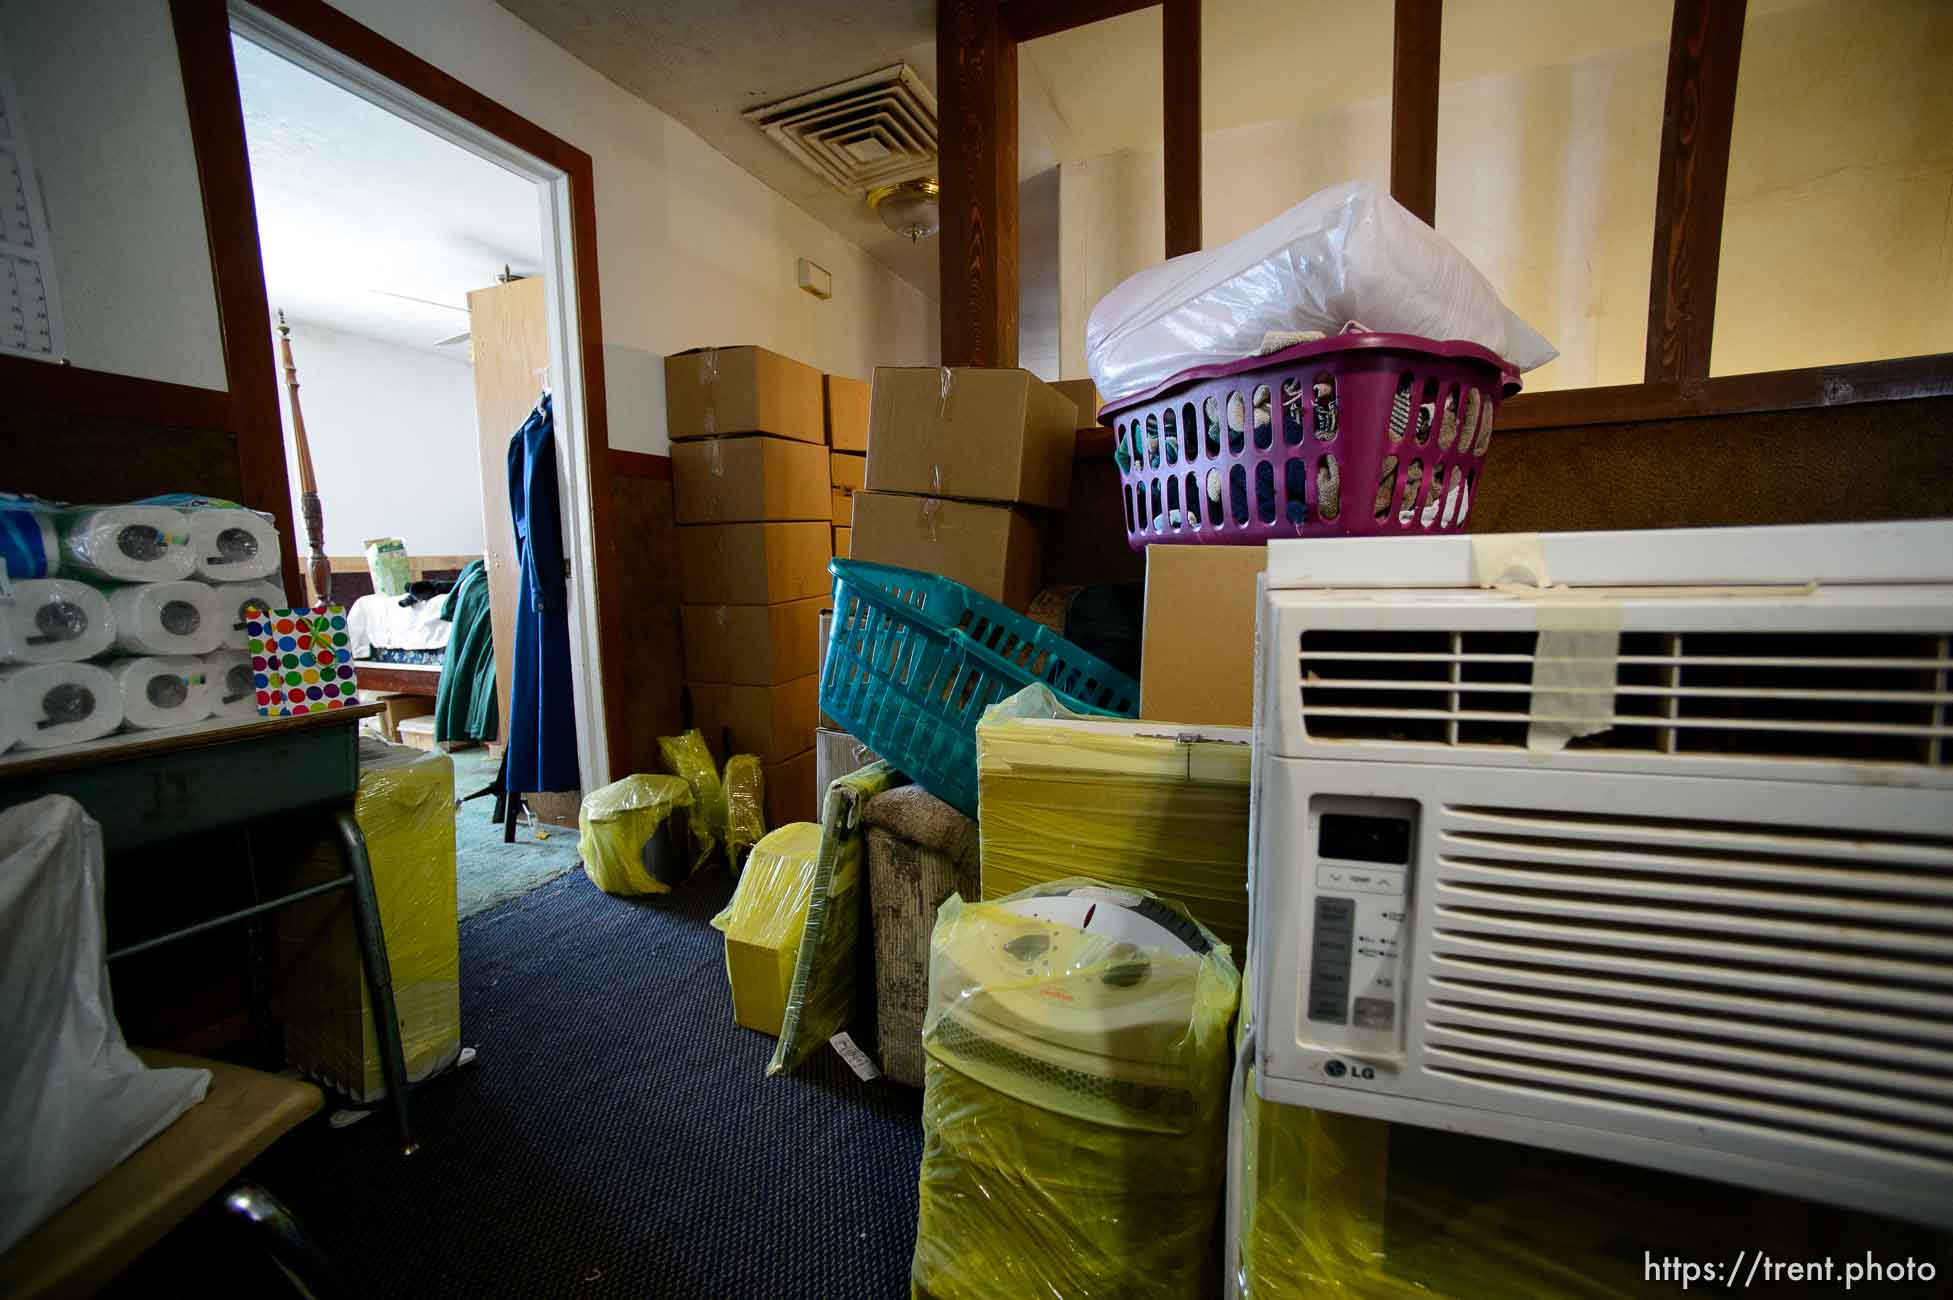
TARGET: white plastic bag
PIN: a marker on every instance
(74, 1100)
(1344, 254)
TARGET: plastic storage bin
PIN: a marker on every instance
(914, 659)
(1356, 435)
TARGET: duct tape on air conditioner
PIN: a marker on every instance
(1576, 655)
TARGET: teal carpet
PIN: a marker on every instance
(487, 871)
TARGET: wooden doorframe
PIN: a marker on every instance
(203, 33)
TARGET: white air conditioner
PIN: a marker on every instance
(1644, 851)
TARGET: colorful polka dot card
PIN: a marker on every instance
(300, 660)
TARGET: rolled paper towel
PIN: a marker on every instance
(233, 692)
(52, 620)
(171, 618)
(127, 543)
(163, 691)
(13, 715)
(62, 704)
(240, 596)
(232, 545)
(30, 543)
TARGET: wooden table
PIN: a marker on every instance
(147, 787)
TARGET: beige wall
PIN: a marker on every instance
(1838, 244)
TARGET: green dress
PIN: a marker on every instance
(464, 704)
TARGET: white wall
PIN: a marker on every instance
(692, 250)
(101, 100)
(394, 443)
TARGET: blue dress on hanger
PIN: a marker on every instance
(542, 713)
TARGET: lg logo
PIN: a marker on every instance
(1336, 1070)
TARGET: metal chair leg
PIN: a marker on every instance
(310, 1270)
(379, 973)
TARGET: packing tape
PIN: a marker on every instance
(722, 615)
(936, 480)
(715, 459)
(708, 380)
(1500, 559)
(1576, 662)
(931, 508)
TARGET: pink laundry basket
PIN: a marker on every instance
(1359, 435)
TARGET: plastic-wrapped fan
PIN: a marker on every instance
(745, 787)
(764, 924)
(688, 756)
(824, 984)
(1075, 1098)
(634, 834)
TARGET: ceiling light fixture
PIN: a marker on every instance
(909, 208)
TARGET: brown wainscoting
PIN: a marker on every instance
(639, 464)
(1873, 460)
(103, 459)
(647, 679)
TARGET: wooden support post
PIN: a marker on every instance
(1180, 106)
(1696, 121)
(1414, 106)
(318, 569)
(976, 95)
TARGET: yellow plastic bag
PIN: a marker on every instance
(1074, 1101)
(745, 787)
(688, 756)
(630, 834)
(764, 921)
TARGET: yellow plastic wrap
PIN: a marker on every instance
(405, 809)
(1129, 803)
(626, 834)
(1074, 1109)
(745, 787)
(764, 921)
(822, 997)
(688, 756)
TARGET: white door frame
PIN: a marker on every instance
(565, 341)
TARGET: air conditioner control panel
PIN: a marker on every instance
(1360, 854)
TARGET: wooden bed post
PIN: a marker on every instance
(318, 568)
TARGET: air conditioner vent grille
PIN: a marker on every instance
(1839, 696)
(1792, 980)
(873, 130)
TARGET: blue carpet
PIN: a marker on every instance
(617, 1136)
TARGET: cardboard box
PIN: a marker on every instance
(997, 435)
(840, 508)
(753, 564)
(773, 722)
(790, 792)
(844, 543)
(1197, 662)
(752, 645)
(713, 391)
(1085, 396)
(837, 754)
(734, 480)
(826, 630)
(997, 550)
(847, 413)
(846, 470)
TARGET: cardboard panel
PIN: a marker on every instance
(997, 550)
(755, 645)
(1197, 662)
(774, 722)
(1084, 396)
(847, 413)
(714, 391)
(973, 434)
(753, 564)
(791, 795)
(844, 543)
(731, 480)
(847, 471)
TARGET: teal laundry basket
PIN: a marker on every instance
(914, 659)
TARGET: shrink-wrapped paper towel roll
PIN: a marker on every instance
(239, 596)
(29, 541)
(171, 618)
(127, 543)
(233, 694)
(53, 705)
(232, 545)
(52, 620)
(163, 690)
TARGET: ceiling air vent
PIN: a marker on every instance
(858, 134)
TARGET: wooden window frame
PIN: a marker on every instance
(979, 300)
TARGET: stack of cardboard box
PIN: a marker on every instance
(847, 437)
(961, 464)
(751, 486)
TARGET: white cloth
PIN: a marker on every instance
(379, 621)
(74, 1100)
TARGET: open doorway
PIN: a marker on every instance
(408, 271)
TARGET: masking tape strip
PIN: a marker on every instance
(715, 459)
(708, 379)
(1509, 557)
(931, 508)
(1576, 663)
